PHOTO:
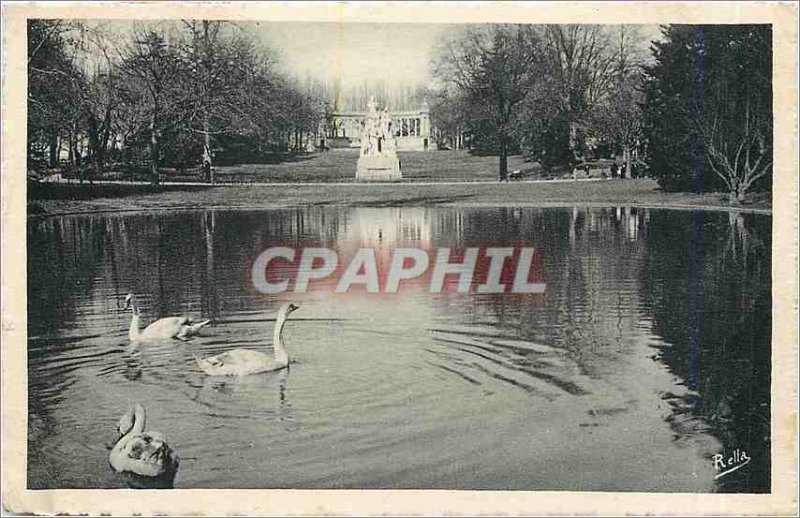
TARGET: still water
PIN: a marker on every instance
(648, 353)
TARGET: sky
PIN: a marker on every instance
(355, 52)
(399, 54)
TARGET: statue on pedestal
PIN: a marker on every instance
(387, 138)
(369, 134)
(378, 160)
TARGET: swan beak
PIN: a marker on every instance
(293, 308)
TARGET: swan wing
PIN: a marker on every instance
(146, 454)
(169, 327)
(245, 356)
(191, 328)
(236, 363)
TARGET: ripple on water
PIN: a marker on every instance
(584, 387)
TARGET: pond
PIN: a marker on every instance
(647, 354)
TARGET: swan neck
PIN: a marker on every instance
(277, 340)
(133, 331)
(139, 419)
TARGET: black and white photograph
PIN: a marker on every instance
(511, 256)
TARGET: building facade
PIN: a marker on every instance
(411, 128)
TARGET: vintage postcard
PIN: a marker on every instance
(399, 259)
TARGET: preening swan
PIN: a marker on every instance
(141, 453)
(240, 362)
(162, 329)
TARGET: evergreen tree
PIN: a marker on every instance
(708, 108)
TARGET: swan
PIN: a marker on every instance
(240, 362)
(162, 329)
(137, 452)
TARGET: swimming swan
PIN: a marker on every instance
(142, 453)
(240, 362)
(163, 329)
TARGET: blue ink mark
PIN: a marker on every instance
(695, 262)
(694, 299)
(699, 95)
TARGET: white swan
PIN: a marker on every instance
(162, 329)
(240, 362)
(146, 454)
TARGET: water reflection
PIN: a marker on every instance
(134, 481)
(728, 321)
(651, 342)
(133, 366)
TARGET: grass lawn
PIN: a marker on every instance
(340, 166)
(328, 178)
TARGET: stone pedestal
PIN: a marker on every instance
(378, 161)
(378, 169)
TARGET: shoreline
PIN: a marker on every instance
(543, 205)
(641, 193)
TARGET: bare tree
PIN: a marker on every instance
(448, 119)
(54, 87)
(739, 159)
(99, 99)
(207, 74)
(153, 69)
(580, 64)
(618, 116)
(493, 67)
(734, 117)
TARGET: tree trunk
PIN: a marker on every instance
(71, 148)
(53, 148)
(76, 153)
(573, 136)
(503, 173)
(741, 192)
(626, 159)
(208, 160)
(58, 149)
(154, 148)
(100, 152)
(94, 139)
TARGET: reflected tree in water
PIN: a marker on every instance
(732, 327)
(615, 276)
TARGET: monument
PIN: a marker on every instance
(378, 160)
